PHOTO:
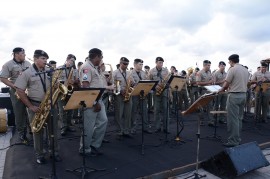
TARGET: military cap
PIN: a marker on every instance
(222, 63)
(137, 60)
(39, 53)
(18, 49)
(71, 56)
(159, 59)
(124, 59)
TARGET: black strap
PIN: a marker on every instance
(124, 76)
(159, 73)
(139, 74)
(42, 81)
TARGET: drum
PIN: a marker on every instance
(3, 120)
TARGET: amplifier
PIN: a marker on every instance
(5, 102)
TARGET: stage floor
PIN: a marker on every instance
(123, 157)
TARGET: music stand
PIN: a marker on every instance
(142, 89)
(78, 100)
(176, 84)
(199, 104)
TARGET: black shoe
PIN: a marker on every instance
(95, 151)
(158, 130)
(127, 136)
(88, 154)
(105, 141)
(57, 158)
(166, 132)
(264, 121)
(211, 124)
(222, 122)
(41, 160)
(63, 132)
(71, 129)
(148, 131)
(228, 145)
(24, 139)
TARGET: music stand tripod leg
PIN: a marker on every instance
(196, 174)
(83, 170)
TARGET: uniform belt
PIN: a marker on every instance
(34, 101)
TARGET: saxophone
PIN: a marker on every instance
(58, 89)
(68, 85)
(161, 86)
(128, 89)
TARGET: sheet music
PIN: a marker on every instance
(213, 88)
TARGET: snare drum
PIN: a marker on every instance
(3, 120)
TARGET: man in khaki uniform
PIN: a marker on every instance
(236, 83)
(183, 94)
(95, 118)
(161, 108)
(194, 92)
(10, 72)
(67, 115)
(37, 86)
(220, 101)
(263, 97)
(204, 78)
(123, 108)
(138, 74)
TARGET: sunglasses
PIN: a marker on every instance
(125, 63)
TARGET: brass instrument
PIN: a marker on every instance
(128, 89)
(117, 87)
(111, 70)
(161, 86)
(58, 89)
(190, 71)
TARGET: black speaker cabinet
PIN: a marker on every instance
(236, 161)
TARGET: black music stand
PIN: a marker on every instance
(199, 104)
(142, 89)
(176, 84)
(78, 100)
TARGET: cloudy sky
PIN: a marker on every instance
(183, 32)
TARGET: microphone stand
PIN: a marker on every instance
(50, 73)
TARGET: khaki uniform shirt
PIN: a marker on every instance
(238, 78)
(258, 76)
(192, 78)
(12, 69)
(137, 76)
(219, 77)
(32, 82)
(123, 77)
(153, 74)
(91, 74)
(65, 74)
(203, 76)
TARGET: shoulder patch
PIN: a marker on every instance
(85, 70)
(85, 77)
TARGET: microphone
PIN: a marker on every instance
(49, 65)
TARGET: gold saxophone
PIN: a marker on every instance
(128, 89)
(58, 89)
(68, 85)
(161, 86)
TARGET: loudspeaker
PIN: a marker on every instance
(236, 161)
(5, 102)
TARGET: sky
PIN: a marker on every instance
(183, 32)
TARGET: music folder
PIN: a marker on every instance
(88, 95)
(177, 82)
(144, 85)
